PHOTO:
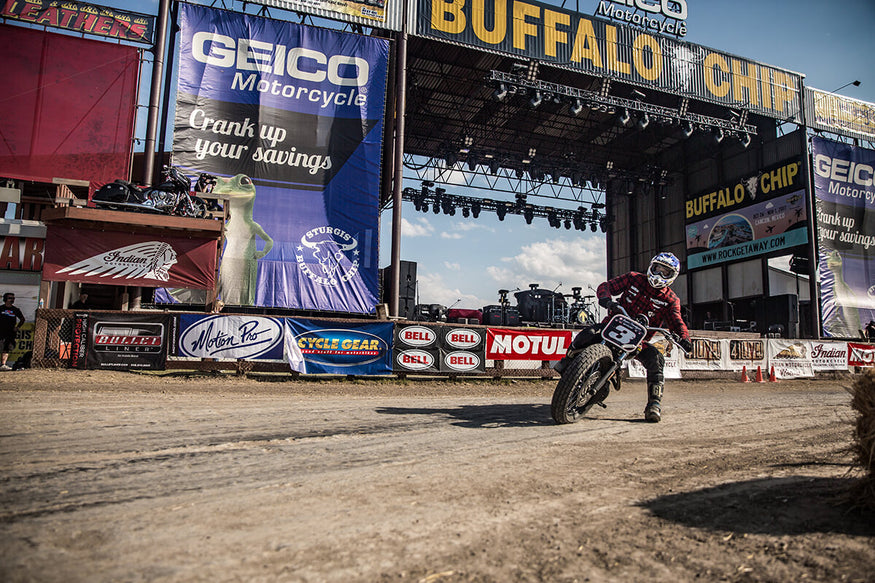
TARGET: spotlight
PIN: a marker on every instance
(529, 214)
(475, 209)
(500, 94)
(466, 212)
(519, 173)
(745, 140)
(436, 207)
(603, 225)
(643, 121)
(577, 106)
(501, 211)
(687, 128)
(451, 159)
(493, 166)
(625, 118)
(592, 227)
(536, 99)
(719, 135)
(552, 219)
(472, 162)
(568, 223)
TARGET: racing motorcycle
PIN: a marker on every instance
(172, 197)
(595, 368)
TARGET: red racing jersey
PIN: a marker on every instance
(661, 306)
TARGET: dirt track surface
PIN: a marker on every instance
(110, 476)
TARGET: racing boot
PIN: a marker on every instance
(653, 412)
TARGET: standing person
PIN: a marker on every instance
(870, 331)
(647, 294)
(11, 320)
(81, 303)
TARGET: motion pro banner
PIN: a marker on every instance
(218, 336)
(290, 118)
(845, 198)
(348, 348)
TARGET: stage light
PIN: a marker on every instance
(472, 162)
(625, 118)
(592, 227)
(576, 107)
(745, 140)
(643, 121)
(518, 172)
(475, 209)
(687, 128)
(719, 135)
(436, 207)
(568, 223)
(529, 214)
(536, 99)
(501, 211)
(603, 225)
(466, 212)
(451, 159)
(500, 94)
(493, 166)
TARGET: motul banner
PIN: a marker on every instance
(861, 354)
(508, 344)
(115, 258)
(68, 108)
(290, 117)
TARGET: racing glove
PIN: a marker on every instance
(606, 302)
(686, 344)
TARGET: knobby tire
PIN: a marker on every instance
(574, 396)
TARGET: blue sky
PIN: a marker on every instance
(469, 260)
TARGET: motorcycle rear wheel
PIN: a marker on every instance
(575, 393)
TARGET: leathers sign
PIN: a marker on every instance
(113, 258)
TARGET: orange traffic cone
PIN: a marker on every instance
(760, 375)
(744, 378)
(772, 378)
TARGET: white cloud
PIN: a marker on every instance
(420, 227)
(576, 262)
(452, 266)
(446, 235)
(433, 290)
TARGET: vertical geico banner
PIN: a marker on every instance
(507, 344)
(129, 341)
(556, 35)
(350, 348)
(758, 214)
(439, 348)
(290, 117)
(844, 189)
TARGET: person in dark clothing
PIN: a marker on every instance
(11, 319)
(81, 303)
(647, 294)
(870, 331)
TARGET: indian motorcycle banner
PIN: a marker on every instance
(845, 203)
(290, 117)
(115, 258)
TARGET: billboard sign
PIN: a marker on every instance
(760, 214)
(844, 189)
(84, 17)
(290, 117)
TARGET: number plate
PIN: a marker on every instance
(624, 333)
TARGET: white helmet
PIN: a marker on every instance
(663, 270)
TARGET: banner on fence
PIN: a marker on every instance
(707, 354)
(528, 344)
(350, 348)
(861, 354)
(127, 341)
(219, 336)
(829, 355)
(750, 353)
(790, 358)
(439, 348)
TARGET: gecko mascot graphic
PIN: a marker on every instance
(239, 269)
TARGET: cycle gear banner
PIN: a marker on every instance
(845, 199)
(290, 118)
(350, 348)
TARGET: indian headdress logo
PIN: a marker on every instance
(149, 260)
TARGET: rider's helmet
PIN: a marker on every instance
(663, 270)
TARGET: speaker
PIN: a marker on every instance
(406, 287)
(511, 316)
(492, 315)
(538, 305)
(778, 312)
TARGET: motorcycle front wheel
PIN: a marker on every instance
(575, 393)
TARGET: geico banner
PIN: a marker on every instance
(350, 348)
(246, 337)
(506, 344)
(829, 355)
(861, 354)
(790, 358)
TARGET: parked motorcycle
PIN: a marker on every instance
(172, 197)
(587, 380)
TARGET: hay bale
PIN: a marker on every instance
(863, 448)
